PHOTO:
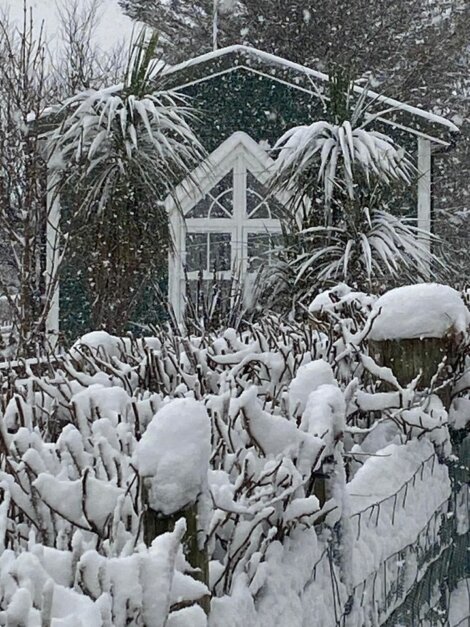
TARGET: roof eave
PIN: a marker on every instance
(270, 58)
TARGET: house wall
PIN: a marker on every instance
(265, 108)
(264, 105)
(259, 106)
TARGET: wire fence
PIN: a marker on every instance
(428, 602)
(443, 565)
(413, 586)
(372, 512)
(388, 586)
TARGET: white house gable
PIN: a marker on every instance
(222, 216)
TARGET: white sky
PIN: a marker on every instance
(113, 28)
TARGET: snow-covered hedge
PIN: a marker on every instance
(282, 436)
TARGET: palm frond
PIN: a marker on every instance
(327, 153)
(108, 134)
(385, 246)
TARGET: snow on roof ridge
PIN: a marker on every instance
(268, 56)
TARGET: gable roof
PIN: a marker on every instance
(219, 163)
(232, 58)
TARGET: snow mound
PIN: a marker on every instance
(392, 497)
(174, 455)
(324, 413)
(309, 377)
(419, 311)
(192, 616)
(459, 413)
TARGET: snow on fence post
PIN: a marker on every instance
(416, 329)
(172, 459)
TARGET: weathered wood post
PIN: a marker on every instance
(172, 459)
(155, 524)
(415, 328)
(314, 394)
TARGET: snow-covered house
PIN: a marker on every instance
(224, 215)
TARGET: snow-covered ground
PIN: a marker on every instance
(113, 27)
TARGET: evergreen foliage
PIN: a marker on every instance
(414, 50)
(123, 148)
(340, 177)
(360, 35)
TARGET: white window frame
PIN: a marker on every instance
(241, 155)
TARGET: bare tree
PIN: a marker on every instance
(80, 63)
(32, 248)
(23, 190)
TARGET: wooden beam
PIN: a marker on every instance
(424, 188)
(52, 263)
(175, 266)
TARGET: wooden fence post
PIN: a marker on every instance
(155, 524)
(408, 357)
(172, 460)
(415, 329)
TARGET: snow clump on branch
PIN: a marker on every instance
(173, 455)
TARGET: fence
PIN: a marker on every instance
(427, 603)
(373, 512)
(411, 587)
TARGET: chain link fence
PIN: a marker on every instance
(445, 563)
(413, 586)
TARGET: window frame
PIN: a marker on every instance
(239, 155)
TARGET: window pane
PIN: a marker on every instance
(222, 207)
(259, 203)
(260, 247)
(201, 210)
(196, 251)
(220, 251)
(256, 207)
(218, 203)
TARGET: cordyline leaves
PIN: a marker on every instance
(335, 172)
(117, 154)
(326, 152)
(136, 131)
(384, 247)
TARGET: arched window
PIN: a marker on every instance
(226, 220)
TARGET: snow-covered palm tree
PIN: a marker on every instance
(369, 246)
(336, 172)
(137, 130)
(117, 152)
(329, 153)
